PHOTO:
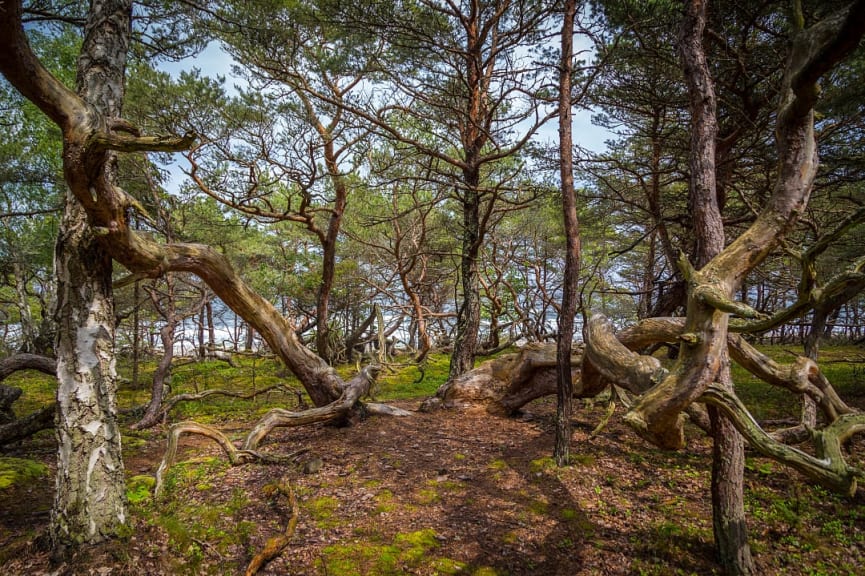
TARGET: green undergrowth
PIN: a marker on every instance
(810, 525)
(38, 389)
(195, 531)
(19, 471)
(843, 366)
(411, 381)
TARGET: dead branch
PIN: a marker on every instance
(191, 397)
(356, 388)
(235, 455)
(277, 544)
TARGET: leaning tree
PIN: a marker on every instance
(99, 228)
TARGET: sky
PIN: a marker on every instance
(213, 61)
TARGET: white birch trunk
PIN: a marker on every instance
(89, 501)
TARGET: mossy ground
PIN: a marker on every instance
(447, 493)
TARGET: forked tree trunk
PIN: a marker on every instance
(90, 495)
(728, 453)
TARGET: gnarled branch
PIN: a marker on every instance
(828, 466)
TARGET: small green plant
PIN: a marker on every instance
(427, 496)
(539, 507)
(583, 459)
(541, 464)
(384, 502)
(408, 550)
(140, 489)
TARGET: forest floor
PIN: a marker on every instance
(453, 492)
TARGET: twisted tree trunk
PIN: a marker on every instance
(728, 448)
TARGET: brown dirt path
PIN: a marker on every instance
(447, 493)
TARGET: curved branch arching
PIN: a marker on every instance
(829, 467)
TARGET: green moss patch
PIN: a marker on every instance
(407, 552)
(322, 511)
(16, 471)
(139, 488)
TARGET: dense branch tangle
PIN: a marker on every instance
(89, 137)
(611, 357)
(666, 394)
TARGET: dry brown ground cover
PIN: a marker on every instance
(445, 493)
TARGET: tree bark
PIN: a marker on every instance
(90, 494)
(728, 454)
(469, 308)
(89, 503)
(564, 379)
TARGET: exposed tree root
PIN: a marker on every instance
(828, 466)
(277, 544)
(235, 455)
(507, 383)
(385, 409)
(22, 428)
(338, 410)
(169, 404)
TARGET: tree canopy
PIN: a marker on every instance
(385, 180)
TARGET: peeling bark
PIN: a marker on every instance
(89, 501)
(90, 493)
